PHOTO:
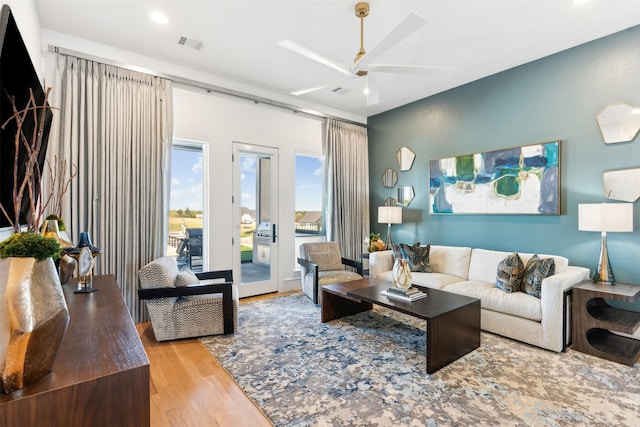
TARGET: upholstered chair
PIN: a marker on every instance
(180, 305)
(321, 263)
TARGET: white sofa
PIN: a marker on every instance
(472, 272)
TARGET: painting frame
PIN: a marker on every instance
(521, 180)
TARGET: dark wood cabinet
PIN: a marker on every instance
(594, 321)
(101, 374)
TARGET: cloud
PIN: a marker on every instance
(197, 166)
(248, 163)
(175, 182)
(308, 186)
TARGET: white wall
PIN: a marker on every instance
(26, 16)
(221, 120)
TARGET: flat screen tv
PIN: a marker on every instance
(17, 76)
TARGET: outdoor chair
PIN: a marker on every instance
(321, 263)
(181, 306)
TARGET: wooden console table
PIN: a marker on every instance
(594, 319)
(101, 374)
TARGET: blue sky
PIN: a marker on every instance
(186, 181)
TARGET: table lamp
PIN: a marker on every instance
(389, 215)
(605, 217)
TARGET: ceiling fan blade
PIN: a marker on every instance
(411, 23)
(413, 69)
(316, 88)
(308, 53)
(373, 96)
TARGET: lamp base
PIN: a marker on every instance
(388, 247)
(604, 273)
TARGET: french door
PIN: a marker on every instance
(255, 219)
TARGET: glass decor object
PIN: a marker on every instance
(605, 217)
(401, 274)
(619, 123)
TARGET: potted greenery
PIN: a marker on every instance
(36, 311)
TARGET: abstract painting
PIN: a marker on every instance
(520, 180)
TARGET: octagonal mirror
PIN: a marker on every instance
(391, 202)
(405, 195)
(390, 178)
(619, 123)
(405, 158)
(623, 185)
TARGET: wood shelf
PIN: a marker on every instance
(594, 319)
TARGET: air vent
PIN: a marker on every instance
(192, 43)
(340, 91)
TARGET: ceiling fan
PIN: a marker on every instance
(362, 63)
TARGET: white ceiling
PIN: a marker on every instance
(477, 37)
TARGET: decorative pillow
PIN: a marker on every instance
(535, 272)
(185, 278)
(510, 273)
(397, 252)
(326, 261)
(418, 256)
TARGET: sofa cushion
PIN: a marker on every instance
(418, 256)
(453, 260)
(326, 261)
(509, 273)
(336, 276)
(491, 298)
(535, 272)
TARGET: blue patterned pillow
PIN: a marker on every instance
(535, 272)
(418, 257)
(510, 273)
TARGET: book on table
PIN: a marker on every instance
(409, 295)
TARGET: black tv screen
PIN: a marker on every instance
(17, 76)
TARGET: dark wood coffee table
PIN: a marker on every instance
(453, 321)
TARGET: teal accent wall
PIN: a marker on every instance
(554, 98)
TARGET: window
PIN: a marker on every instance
(309, 217)
(186, 204)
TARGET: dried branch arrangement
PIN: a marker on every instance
(31, 181)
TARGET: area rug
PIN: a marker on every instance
(369, 370)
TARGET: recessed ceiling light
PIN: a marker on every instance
(159, 17)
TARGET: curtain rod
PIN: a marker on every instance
(201, 85)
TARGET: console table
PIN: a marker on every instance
(101, 374)
(594, 319)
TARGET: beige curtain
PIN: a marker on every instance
(347, 182)
(115, 125)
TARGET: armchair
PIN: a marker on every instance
(321, 263)
(180, 306)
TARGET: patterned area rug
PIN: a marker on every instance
(369, 370)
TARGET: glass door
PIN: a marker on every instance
(255, 205)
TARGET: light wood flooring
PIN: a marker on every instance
(190, 388)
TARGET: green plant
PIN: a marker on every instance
(61, 225)
(29, 245)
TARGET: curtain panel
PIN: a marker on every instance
(115, 126)
(347, 183)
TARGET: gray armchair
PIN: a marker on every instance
(321, 263)
(180, 306)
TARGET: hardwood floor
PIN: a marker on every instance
(190, 388)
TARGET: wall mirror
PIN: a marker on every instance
(390, 178)
(391, 202)
(405, 158)
(622, 184)
(405, 195)
(619, 123)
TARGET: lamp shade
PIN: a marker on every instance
(608, 217)
(389, 215)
